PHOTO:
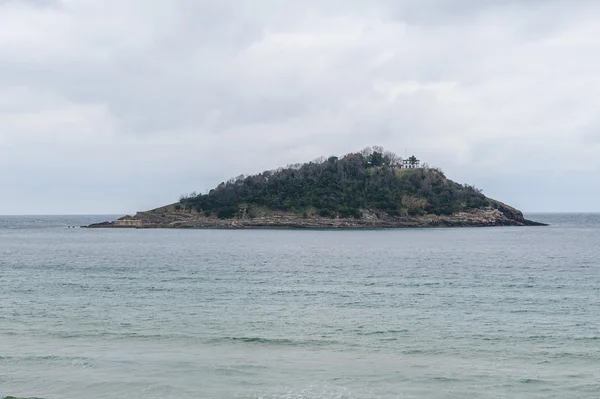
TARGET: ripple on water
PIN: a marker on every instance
(300, 314)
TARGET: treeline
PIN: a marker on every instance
(341, 187)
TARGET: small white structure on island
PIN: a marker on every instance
(411, 163)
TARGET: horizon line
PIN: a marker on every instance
(129, 213)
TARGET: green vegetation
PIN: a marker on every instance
(341, 187)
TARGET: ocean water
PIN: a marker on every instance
(422, 313)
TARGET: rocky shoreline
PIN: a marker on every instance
(169, 217)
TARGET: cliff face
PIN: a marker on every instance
(509, 212)
(169, 217)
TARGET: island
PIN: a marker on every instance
(372, 188)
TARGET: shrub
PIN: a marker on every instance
(366, 180)
(227, 212)
(350, 212)
(326, 213)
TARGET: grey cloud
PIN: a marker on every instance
(180, 95)
(33, 3)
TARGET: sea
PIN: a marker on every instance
(505, 312)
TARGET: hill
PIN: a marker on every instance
(371, 188)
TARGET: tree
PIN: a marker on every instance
(413, 160)
(376, 159)
(392, 159)
(340, 187)
(366, 152)
(378, 148)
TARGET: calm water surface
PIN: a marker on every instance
(432, 313)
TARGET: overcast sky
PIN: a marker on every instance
(113, 106)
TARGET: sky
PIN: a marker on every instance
(115, 106)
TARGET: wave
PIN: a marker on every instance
(416, 351)
(588, 338)
(272, 341)
(15, 397)
(144, 336)
(383, 332)
(118, 335)
(282, 341)
(73, 361)
(444, 379)
(531, 381)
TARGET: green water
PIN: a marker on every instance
(432, 313)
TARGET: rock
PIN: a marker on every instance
(498, 214)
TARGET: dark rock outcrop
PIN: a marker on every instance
(513, 214)
(168, 217)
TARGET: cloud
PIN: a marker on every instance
(111, 106)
